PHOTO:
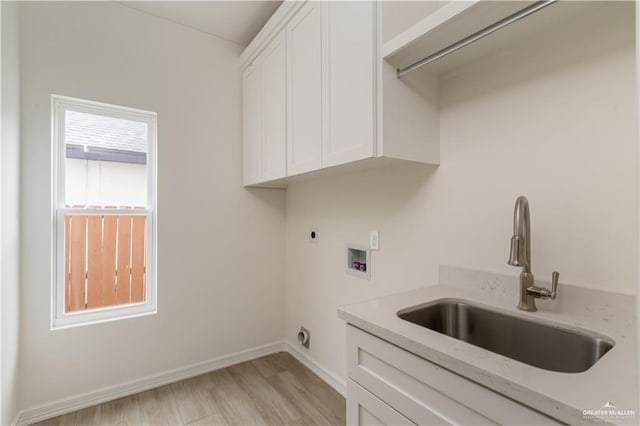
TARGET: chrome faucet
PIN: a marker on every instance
(521, 256)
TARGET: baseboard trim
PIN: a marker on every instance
(332, 379)
(88, 399)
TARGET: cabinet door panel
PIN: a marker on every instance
(274, 158)
(252, 123)
(348, 29)
(304, 90)
(363, 408)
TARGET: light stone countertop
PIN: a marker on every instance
(563, 396)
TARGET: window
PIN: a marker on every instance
(104, 211)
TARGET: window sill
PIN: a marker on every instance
(102, 315)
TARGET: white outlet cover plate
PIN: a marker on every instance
(374, 240)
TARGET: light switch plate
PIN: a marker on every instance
(374, 240)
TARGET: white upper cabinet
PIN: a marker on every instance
(264, 109)
(252, 122)
(349, 82)
(343, 103)
(304, 90)
(274, 81)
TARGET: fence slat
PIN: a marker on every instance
(67, 258)
(94, 262)
(104, 260)
(137, 259)
(124, 260)
(108, 281)
(77, 262)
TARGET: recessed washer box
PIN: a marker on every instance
(358, 261)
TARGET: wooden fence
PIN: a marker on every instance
(104, 260)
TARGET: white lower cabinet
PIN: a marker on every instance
(388, 385)
(364, 408)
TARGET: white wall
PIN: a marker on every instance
(221, 247)
(105, 183)
(10, 211)
(638, 182)
(553, 119)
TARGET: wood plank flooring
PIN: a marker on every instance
(273, 390)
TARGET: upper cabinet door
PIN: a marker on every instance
(252, 122)
(349, 78)
(304, 90)
(274, 81)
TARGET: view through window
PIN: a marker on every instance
(105, 207)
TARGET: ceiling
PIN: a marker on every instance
(237, 21)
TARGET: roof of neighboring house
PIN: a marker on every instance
(98, 137)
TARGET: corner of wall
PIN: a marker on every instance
(10, 218)
(638, 187)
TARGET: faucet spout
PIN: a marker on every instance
(520, 255)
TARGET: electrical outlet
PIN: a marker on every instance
(374, 240)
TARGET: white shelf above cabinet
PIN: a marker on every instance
(452, 22)
(459, 19)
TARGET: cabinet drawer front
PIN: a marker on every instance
(363, 408)
(419, 389)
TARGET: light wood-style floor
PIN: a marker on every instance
(273, 390)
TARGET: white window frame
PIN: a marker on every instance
(59, 318)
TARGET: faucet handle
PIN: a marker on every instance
(545, 293)
(555, 276)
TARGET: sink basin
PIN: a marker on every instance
(540, 344)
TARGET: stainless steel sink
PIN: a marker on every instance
(539, 344)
